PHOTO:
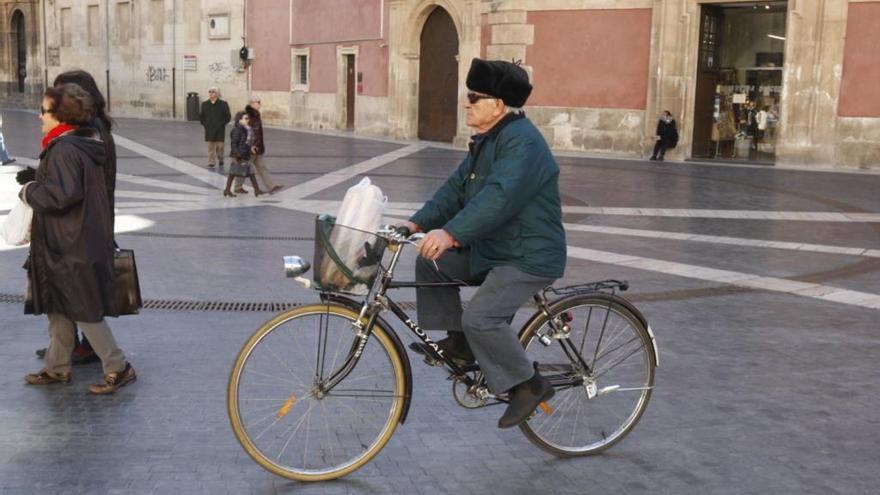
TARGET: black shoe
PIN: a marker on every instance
(525, 398)
(220, 163)
(660, 159)
(7, 162)
(41, 353)
(455, 347)
(652, 158)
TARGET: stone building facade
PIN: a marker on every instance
(788, 82)
(146, 55)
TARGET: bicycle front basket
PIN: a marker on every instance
(346, 259)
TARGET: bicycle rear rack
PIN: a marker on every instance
(610, 285)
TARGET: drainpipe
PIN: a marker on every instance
(174, 59)
(45, 49)
(107, 48)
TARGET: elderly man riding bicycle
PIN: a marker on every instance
(497, 221)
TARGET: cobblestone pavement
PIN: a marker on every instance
(761, 284)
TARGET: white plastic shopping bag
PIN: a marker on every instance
(361, 211)
(16, 229)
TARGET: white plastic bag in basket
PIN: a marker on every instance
(362, 209)
(16, 229)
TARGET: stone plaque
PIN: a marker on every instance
(53, 56)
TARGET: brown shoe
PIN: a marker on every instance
(275, 189)
(45, 377)
(241, 190)
(112, 381)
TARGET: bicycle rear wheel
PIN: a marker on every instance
(596, 405)
(284, 418)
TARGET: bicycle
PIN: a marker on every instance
(346, 384)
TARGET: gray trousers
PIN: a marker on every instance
(62, 338)
(486, 321)
(259, 164)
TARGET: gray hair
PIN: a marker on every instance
(253, 98)
(215, 89)
(514, 110)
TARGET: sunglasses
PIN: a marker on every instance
(43, 111)
(475, 97)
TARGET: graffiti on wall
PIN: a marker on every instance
(221, 72)
(157, 74)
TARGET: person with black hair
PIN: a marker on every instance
(666, 137)
(241, 142)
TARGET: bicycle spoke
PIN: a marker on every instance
(290, 423)
(605, 355)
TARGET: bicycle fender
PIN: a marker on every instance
(395, 340)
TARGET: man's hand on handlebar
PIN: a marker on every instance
(435, 243)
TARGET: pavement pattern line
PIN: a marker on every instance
(164, 184)
(804, 216)
(201, 174)
(734, 241)
(331, 179)
(739, 279)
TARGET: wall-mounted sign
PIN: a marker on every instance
(53, 56)
(190, 62)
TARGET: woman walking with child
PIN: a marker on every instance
(241, 141)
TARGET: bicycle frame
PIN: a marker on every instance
(377, 301)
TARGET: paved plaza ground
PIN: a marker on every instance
(762, 286)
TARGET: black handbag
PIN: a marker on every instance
(126, 286)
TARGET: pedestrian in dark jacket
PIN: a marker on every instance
(70, 264)
(667, 136)
(83, 352)
(241, 141)
(214, 116)
(497, 221)
(258, 150)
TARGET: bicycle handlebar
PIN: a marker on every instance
(399, 235)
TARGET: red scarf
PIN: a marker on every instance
(55, 132)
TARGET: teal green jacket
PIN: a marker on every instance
(503, 202)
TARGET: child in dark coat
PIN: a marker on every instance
(241, 140)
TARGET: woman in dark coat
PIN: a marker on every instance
(70, 267)
(667, 136)
(83, 352)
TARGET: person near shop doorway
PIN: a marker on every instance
(761, 119)
(214, 116)
(258, 150)
(5, 159)
(666, 137)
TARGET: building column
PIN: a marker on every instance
(815, 37)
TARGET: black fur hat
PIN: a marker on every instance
(500, 79)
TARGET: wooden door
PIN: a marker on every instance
(21, 49)
(349, 91)
(438, 78)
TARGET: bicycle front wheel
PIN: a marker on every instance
(602, 365)
(285, 418)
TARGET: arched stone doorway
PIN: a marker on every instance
(438, 78)
(19, 50)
